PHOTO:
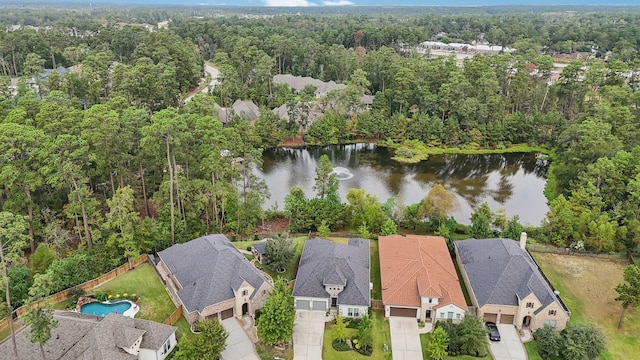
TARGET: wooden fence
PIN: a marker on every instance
(86, 286)
(173, 317)
(632, 261)
(377, 304)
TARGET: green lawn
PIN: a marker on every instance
(587, 286)
(289, 273)
(532, 350)
(183, 328)
(424, 340)
(376, 293)
(154, 301)
(381, 336)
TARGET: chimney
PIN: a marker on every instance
(523, 240)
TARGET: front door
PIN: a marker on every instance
(427, 316)
(334, 301)
(245, 308)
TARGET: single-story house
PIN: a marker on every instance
(80, 336)
(242, 108)
(332, 275)
(212, 279)
(506, 286)
(419, 279)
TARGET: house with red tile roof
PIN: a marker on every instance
(419, 279)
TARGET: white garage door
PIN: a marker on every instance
(320, 305)
(302, 304)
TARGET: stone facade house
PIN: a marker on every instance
(211, 279)
(334, 276)
(88, 337)
(506, 286)
(419, 279)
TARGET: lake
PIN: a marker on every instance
(513, 181)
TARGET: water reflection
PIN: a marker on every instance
(513, 181)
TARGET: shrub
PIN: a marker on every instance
(353, 324)
(102, 296)
(75, 292)
(340, 345)
(248, 248)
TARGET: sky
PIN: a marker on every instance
(415, 2)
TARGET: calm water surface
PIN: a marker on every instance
(512, 181)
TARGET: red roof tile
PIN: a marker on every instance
(413, 266)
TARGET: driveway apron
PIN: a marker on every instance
(308, 330)
(509, 347)
(405, 340)
(239, 346)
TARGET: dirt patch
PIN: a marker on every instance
(590, 280)
(272, 227)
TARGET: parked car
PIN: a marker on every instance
(494, 334)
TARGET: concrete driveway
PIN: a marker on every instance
(308, 330)
(405, 340)
(509, 347)
(239, 346)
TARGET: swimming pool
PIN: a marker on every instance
(104, 309)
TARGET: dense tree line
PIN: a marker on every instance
(106, 162)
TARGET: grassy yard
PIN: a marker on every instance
(289, 273)
(586, 286)
(424, 340)
(532, 350)
(154, 301)
(381, 336)
(376, 293)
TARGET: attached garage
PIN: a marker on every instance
(225, 314)
(489, 317)
(403, 312)
(303, 305)
(320, 305)
(506, 319)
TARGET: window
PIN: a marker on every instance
(552, 312)
(245, 292)
(457, 316)
(450, 315)
(551, 323)
(441, 314)
(353, 312)
(529, 305)
(430, 300)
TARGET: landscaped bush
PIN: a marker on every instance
(353, 323)
(363, 350)
(101, 296)
(340, 345)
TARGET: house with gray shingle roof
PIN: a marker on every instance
(506, 286)
(82, 337)
(211, 279)
(332, 275)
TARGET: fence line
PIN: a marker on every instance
(87, 285)
(377, 304)
(572, 252)
(173, 317)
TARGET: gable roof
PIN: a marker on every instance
(82, 336)
(502, 273)
(414, 266)
(261, 247)
(298, 83)
(242, 108)
(325, 262)
(209, 269)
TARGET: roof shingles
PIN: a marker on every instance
(208, 269)
(325, 262)
(502, 273)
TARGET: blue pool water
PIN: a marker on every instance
(104, 309)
